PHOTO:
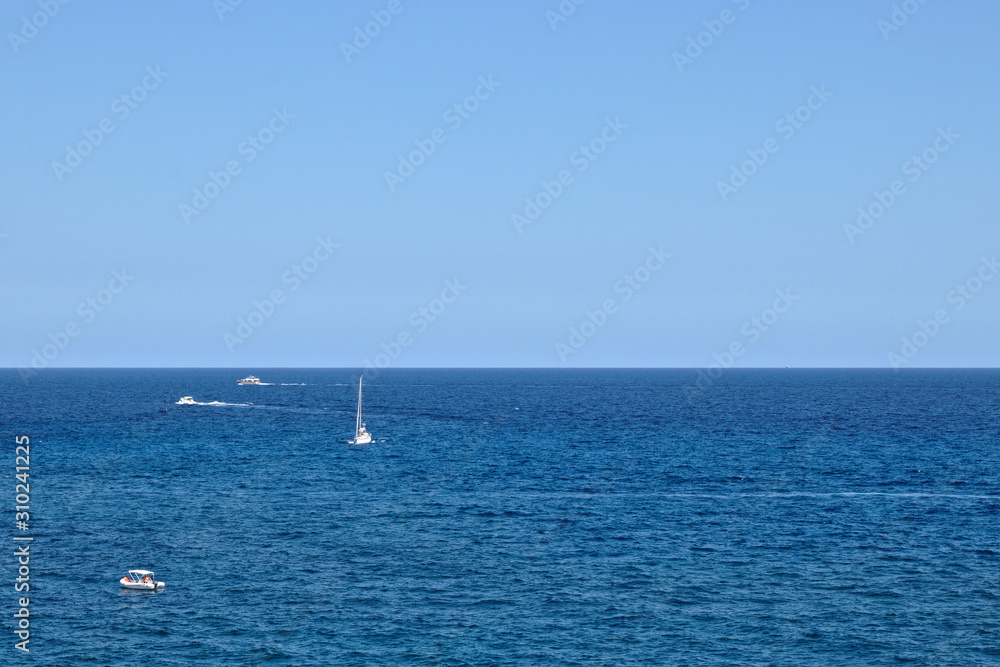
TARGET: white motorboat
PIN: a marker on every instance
(249, 380)
(186, 400)
(361, 435)
(143, 580)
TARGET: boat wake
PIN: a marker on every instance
(300, 409)
(213, 403)
(222, 403)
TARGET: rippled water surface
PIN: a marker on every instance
(596, 517)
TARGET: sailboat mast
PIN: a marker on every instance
(357, 423)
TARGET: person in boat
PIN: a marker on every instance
(146, 579)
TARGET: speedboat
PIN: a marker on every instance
(249, 380)
(142, 580)
(361, 435)
(186, 400)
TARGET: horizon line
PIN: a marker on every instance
(526, 368)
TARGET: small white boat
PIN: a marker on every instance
(249, 380)
(142, 580)
(361, 435)
(186, 400)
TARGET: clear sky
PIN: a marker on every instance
(697, 169)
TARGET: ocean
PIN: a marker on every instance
(507, 517)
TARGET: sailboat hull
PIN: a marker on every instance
(362, 439)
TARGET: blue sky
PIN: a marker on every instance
(444, 266)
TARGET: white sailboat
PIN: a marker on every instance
(361, 436)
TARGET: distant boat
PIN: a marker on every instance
(249, 380)
(186, 400)
(361, 436)
(142, 580)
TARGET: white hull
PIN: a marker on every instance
(140, 586)
(362, 439)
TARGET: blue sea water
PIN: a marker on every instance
(509, 517)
